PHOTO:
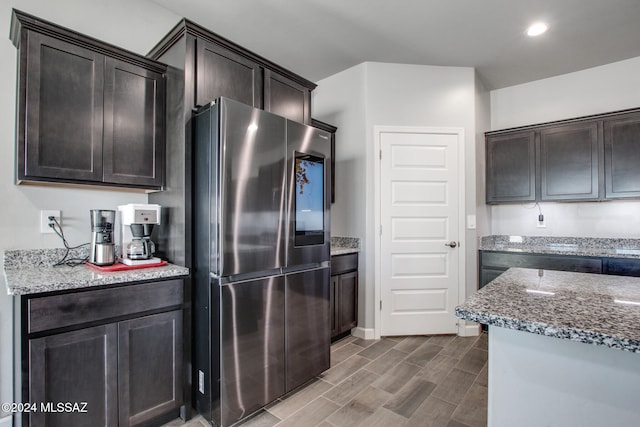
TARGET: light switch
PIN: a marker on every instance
(471, 222)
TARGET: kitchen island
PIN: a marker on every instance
(564, 347)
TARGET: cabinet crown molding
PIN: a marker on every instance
(23, 21)
(590, 117)
(189, 28)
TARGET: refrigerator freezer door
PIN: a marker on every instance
(308, 188)
(308, 326)
(252, 368)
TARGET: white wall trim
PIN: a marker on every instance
(459, 131)
(6, 421)
(363, 333)
(468, 329)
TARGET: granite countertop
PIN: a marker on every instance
(32, 271)
(590, 308)
(344, 245)
(579, 246)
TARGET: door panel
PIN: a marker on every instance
(569, 165)
(252, 368)
(78, 366)
(221, 72)
(64, 111)
(511, 168)
(308, 326)
(134, 125)
(419, 215)
(622, 157)
(150, 367)
(252, 189)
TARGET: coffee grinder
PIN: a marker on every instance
(102, 250)
(137, 222)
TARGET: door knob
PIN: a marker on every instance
(451, 244)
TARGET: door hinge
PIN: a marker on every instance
(380, 305)
(381, 229)
(381, 154)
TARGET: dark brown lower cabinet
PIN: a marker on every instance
(149, 367)
(76, 367)
(105, 357)
(344, 294)
(494, 263)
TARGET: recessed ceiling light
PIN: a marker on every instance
(536, 29)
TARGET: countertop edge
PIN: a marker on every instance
(98, 279)
(539, 328)
(336, 251)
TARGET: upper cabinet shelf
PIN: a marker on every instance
(591, 158)
(88, 112)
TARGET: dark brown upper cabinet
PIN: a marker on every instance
(622, 157)
(511, 168)
(88, 112)
(214, 66)
(569, 162)
(286, 98)
(332, 131)
(222, 72)
(589, 158)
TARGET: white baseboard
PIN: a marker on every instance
(363, 333)
(6, 421)
(468, 329)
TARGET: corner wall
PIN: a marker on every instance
(372, 94)
(596, 90)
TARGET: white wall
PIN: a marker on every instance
(596, 90)
(341, 101)
(136, 26)
(373, 94)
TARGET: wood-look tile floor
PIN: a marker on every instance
(424, 381)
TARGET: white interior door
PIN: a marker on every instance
(419, 241)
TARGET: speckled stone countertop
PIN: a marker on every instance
(32, 271)
(581, 246)
(591, 308)
(344, 245)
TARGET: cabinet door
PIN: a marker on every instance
(133, 125)
(511, 168)
(221, 72)
(150, 367)
(307, 335)
(286, 98)
(78, 366)
(622, 157)
(569, 166)
(488, 274)
(333, 306)
(348, 300)
(60, 135)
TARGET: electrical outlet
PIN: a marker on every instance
(44, 220)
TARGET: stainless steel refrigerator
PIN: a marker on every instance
(261, 258)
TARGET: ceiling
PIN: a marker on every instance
(318, 38)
